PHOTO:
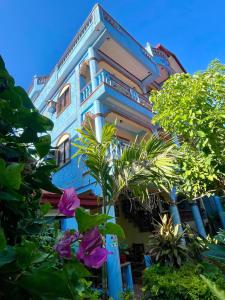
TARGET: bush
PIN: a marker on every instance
(166, 244)
(185, 283)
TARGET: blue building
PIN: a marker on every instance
(104, 75)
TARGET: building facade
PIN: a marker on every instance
(104, 75)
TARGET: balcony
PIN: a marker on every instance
(104, 77)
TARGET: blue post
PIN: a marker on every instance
(93, 65)
(148, 261)
(209, 205)
(198, 219)
(174, 209)
(69, 223)
(220, 210)
(174, 212)
(113, 263)
(128, 277)
(113, 260)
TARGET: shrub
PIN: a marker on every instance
(185, 283)
(166, 245)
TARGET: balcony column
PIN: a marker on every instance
(93, 65)
(99, 119)
(220, 210)
(113, 261)
(198, 219)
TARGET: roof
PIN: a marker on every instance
(169, 53)
(86, 200)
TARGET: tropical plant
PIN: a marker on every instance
(193, 108)
(216, 250)
(127, 295)
(195, 243)
(166, 244)
(217, 292)
(142, 165)
(36, 263)
(185, 283)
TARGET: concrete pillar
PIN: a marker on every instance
(220, 210)
(69, 223)
(99, 119)
(174, 212)
(198, 219)
(93, 65)
(113, 262)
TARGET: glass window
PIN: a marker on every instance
(63, 100)
(63, 153)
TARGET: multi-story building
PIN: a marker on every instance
(104, 75)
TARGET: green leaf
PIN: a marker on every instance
(76, 267)
(201, 134)
(86, 221)
(27, 254)
(43, 145)
(3, 242)
(7, 256)
(216, 252)
(11, 175)
(47, 283)
(45, 208)
(29, 136)
(112, 228)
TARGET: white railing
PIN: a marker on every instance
(86, 92)
(111, 80)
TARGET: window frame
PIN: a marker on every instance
(63, 153)
(64, 99)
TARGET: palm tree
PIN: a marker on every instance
(140, 167)
(145, 165)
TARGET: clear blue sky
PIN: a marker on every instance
(34, 34)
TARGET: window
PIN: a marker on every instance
(64, 99)
(63, 150)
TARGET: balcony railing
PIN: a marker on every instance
(86, 92)
(105, 77)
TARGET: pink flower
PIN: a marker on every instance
(68, 202)
(63, 247)
(90, 251)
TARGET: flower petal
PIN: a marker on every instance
(68, 202)
(97, 258)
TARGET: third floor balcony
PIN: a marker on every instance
(105, 78)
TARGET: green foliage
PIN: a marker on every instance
(127, 295)
(29, 266)
(166, 244)
(214, 289)
(86, 221)
(216, 250)
(193, 108)
(196, 245)
(23, 172)
(185, 283)
(144, 164)
(112, 228)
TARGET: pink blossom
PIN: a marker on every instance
(68, 202)
(63, 247)
(90, 251)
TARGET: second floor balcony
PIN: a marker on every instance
(104, 77)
